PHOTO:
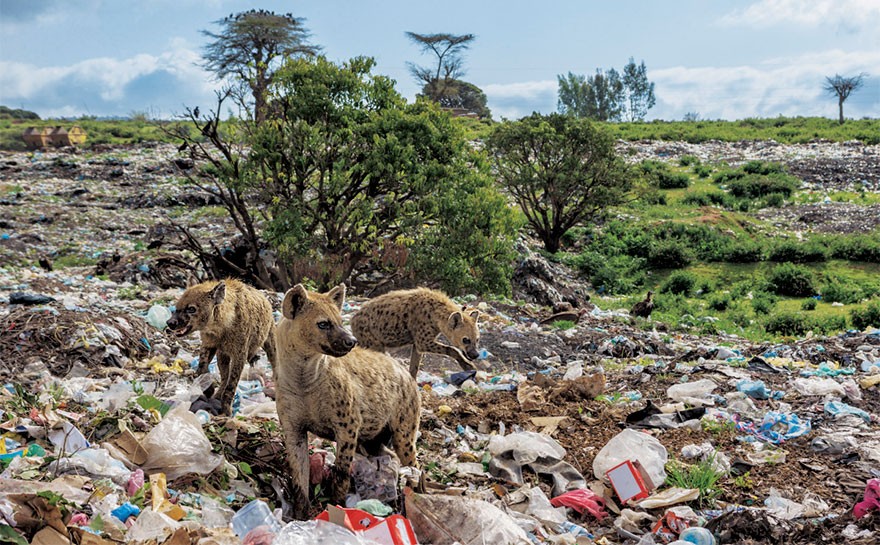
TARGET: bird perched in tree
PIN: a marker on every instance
(196, 112)
(643, 308)
(182, 147)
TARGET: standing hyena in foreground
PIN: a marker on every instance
(335, 390)
(234, 321)
(417, 317)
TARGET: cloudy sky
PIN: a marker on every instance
(719, 59)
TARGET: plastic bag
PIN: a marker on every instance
(817, 386)
(633, 445)
(444, 520)
(839, 408)
(178, 446)
(151, 526)
(695, 393)
(582, 500)
(527, 446)
(871, 500)
(318, 532)
(670, 496)
(96, 462)
(158, 316)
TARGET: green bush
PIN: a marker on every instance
(856, 247)
(829, 324)
(866, 316)
(763, 168)
(702, 171)
(669, 254)
(841, 290)
(791, 251)
(617, 274)
(688, 160)
(754, 186)
(708, 198)
(791, 279)
(763, 302)
(774, 200)
(787, 324)
(673, 180)
(679, 283)
(809, 304)
(745, 251)
(719, 302)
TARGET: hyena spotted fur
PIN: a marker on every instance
(335, 390)
(234, 321)
(417, 317)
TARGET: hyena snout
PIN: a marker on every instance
(178, 324)
(341, 342)
(472, 353)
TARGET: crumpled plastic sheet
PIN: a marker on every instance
(777, 427)
(871, 500)
(839, 408)
(178, 446)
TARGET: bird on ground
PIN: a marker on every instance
(643, 309)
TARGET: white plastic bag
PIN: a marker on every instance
(444, 520)
(178, 446)
(633, 445)
(695, 393)
(527, 446)
(818, 386)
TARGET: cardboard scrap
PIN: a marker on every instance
(159, 492)
(50, 536)
(548, 424)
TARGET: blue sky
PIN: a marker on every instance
(719, 59)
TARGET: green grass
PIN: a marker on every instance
(10, 189)
(701, 476)
(73, 260)
(115, 132)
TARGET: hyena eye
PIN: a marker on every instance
(324, 325)
(190, 309)
(466, 340)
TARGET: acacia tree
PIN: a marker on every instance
(561, 171)
(250, 46)
(639, 91)
(599, 97)
(842, 87)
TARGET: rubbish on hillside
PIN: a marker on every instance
(443, 520)
(698, 536)
(632, 521)
(531, 397)
(629, 480)
(757, 389)
(19, 298)
(686, 418)
(839, 408)
(828, 369)
(787, 509)
(150, 525)
(254, 517)
(719, 461)
(833, 443)
(96, 462)
(67, 439)
(318, 532)
(532, 502)
(870, 500)
(582, 500)
(178, 446)
(633, 445)
(817, 386)
(158, 316)
(668, 497)
(539, 453)
(694, 393)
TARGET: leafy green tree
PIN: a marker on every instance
(251, 45)
(842, 87)
(560, 169)
(458, 94)
(344, 163)
(599, 97)
(639, 91)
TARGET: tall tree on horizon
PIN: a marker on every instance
(639, 91)
(842, 87)
(442, 83)
(599, 97)
(251, 45)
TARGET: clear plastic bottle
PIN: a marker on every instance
(252, 516)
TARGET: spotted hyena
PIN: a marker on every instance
(330, 387)
(234, 321)
(417, 317)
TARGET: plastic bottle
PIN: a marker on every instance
(698, 536)
(203, 416)
(252, 516)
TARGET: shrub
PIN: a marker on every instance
(702, 171)
(708, 198)
(829, 324)
(763, 168)
(787, 324)
(790, 279)
(809, 304)
(753, 186)
(866, 316)
(798, 252)
(679, 283)
(669, 254)
(618, 274)
(727, 176)
(856, 248)
(839, 290)
(763, 302)
(719, 302)
(672, 180)
(688, 160)
(774, 200)
(746, 251)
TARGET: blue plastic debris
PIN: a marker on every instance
(837, 408)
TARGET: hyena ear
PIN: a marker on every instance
(218, 294)
(455, 320)
(337, 294)
(475, 314)
(294, 300)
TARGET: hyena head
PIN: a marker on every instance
(195, 308)
(317, 321)
(462, 331)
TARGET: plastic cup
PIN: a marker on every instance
(253, 515)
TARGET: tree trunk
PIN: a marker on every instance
(840, 106)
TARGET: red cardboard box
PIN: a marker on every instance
(392, 530)
(629, 481)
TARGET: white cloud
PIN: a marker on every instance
(811, 13)
(515, 100)
(114, 83)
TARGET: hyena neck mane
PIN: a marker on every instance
(306, 372)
